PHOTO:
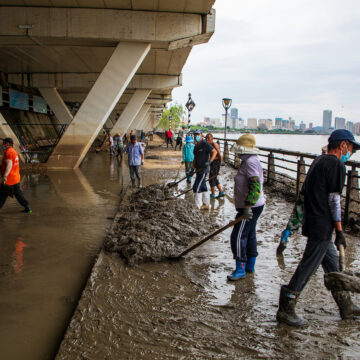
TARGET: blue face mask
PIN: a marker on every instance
(197, 138)
(345, 158)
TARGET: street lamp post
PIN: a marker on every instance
(170, 119)
(190, 106)
(226, 102)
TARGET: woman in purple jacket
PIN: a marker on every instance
(249, 202)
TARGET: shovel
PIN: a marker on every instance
(186, 191)
(343, 280)
(172, 184)
(191, 248)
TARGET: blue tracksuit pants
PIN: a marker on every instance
(243, 236)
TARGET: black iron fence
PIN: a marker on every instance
(289, 169)
(37, 141)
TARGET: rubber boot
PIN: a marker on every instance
(198, 199)
(286, 312)
(205, 200)
(250, 264)
(239, 272)
(347, 308)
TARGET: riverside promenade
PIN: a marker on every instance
(186, 309)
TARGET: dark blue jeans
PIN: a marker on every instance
(243, 236)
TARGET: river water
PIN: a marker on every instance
(305, 143)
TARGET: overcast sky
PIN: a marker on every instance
(278, 58)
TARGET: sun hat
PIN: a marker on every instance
(344, 135)
(245, 144)
(189, 139)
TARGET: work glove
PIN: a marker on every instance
(183, 162)
(248, 215)
(283, 241)
(340, 239)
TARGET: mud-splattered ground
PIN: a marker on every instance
(188, 310)
(153, 225)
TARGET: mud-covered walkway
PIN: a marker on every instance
(188, 310)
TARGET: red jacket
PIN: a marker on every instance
(168, 134)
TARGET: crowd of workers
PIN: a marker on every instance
(317, 209)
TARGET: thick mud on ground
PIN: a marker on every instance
(187, 309)
(153, 225)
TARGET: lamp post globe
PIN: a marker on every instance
(226, 103)
(189, 106)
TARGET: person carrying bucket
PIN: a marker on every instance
(318, 210)
(249, 202)
(188, 157)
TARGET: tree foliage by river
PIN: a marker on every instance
(177, 112)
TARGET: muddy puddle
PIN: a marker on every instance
(187, 309)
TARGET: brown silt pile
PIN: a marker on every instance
(150, 228)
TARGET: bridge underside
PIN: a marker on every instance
(109, 64)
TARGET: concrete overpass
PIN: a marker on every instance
(120, 59)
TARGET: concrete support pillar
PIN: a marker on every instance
(6, 132)
(131, 111)
(57, 105)
(145, 121)
(140, 117)
(98, 105)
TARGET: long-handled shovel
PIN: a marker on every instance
(343, 280)
(191, 248)
(172, 184)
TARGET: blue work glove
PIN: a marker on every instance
(283, 241)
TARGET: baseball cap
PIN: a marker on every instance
(8, 140)
(197, 132)
(344, 135)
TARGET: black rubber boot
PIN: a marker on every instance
(286, 313)
(347, 308)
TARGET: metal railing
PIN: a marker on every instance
(286, 170)
(37, 141)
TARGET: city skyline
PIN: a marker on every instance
(282, 59)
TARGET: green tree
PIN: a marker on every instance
(177, 111)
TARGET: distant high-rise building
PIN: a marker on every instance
(234, 113)
(327, 117)
(278, 123)
(357, 128)
(252, 123)
(269, 123)
(302, 127)
(292, 124)
(262, 124)
(339, 123)
(241, 123)
(234, 122)
(350, 126)
(310, 126)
